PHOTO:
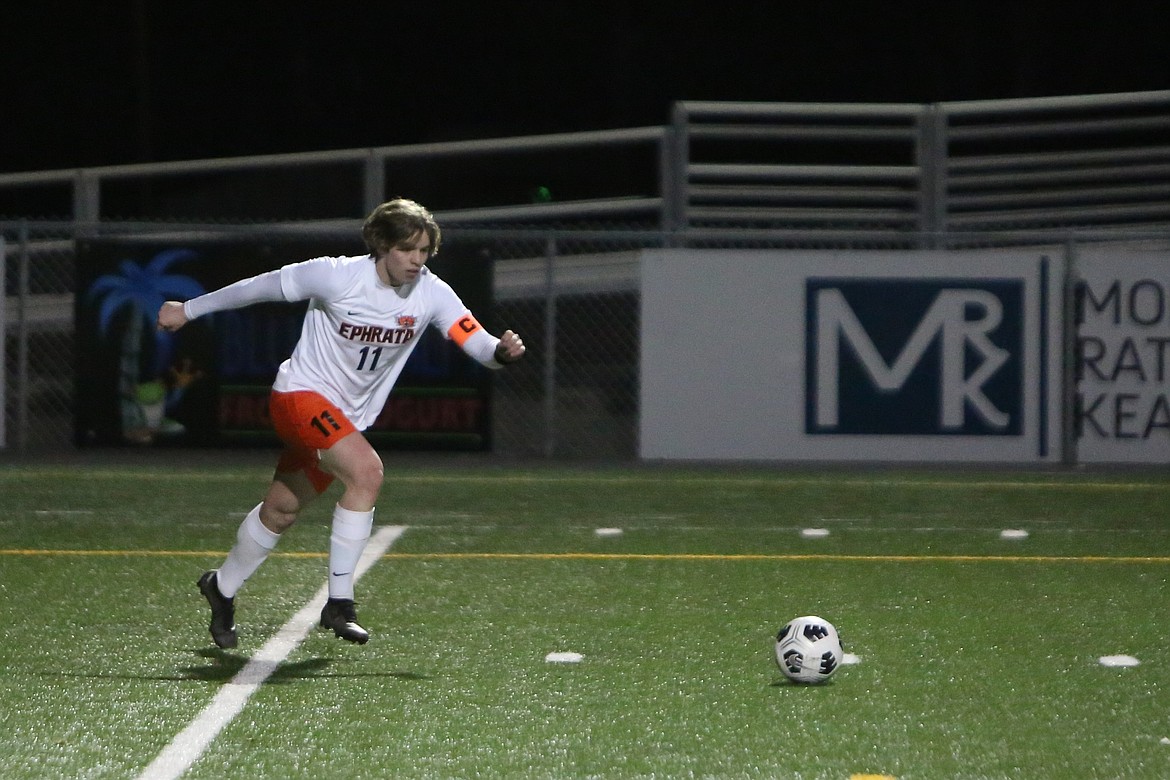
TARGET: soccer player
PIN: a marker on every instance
(364, 318)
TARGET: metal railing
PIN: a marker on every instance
(1058, 162)
(797, 166)
(370, 175)
(1064, 162)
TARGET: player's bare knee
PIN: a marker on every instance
(368, 479)
(277, 519)
(363, 484)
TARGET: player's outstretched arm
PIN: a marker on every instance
(510, 349)
(255, 289)
(171, 316)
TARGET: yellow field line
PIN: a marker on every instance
(583, 556)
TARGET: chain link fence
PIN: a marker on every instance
(572, 293)
(37, 322)
(573, 298)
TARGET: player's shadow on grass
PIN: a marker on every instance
(224, 666)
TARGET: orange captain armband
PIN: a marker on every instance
(464, 328)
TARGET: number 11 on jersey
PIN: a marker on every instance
(373, 357)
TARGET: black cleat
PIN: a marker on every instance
(223, 611)
(339, 615)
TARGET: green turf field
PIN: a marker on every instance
(977, 656)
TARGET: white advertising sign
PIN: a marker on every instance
(867, 355)
(1122, 409)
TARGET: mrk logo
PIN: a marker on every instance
(914, 357)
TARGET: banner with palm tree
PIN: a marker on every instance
(208, 384)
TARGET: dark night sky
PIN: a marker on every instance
(136, 81)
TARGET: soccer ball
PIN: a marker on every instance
(808, 649)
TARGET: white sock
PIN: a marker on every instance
(253, 543)
(351, 531)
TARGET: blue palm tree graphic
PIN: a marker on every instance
(143, 290)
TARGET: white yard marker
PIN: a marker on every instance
(849, 659)
(564, 658)
(1118, 660)
(186, 748)
(608, 531)
(1013, 533)
(814, 533)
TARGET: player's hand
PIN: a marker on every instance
(510, 349)
(171, 316)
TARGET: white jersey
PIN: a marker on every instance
(358, 330)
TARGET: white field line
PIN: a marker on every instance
(186, 748)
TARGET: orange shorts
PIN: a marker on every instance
(307, 423)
